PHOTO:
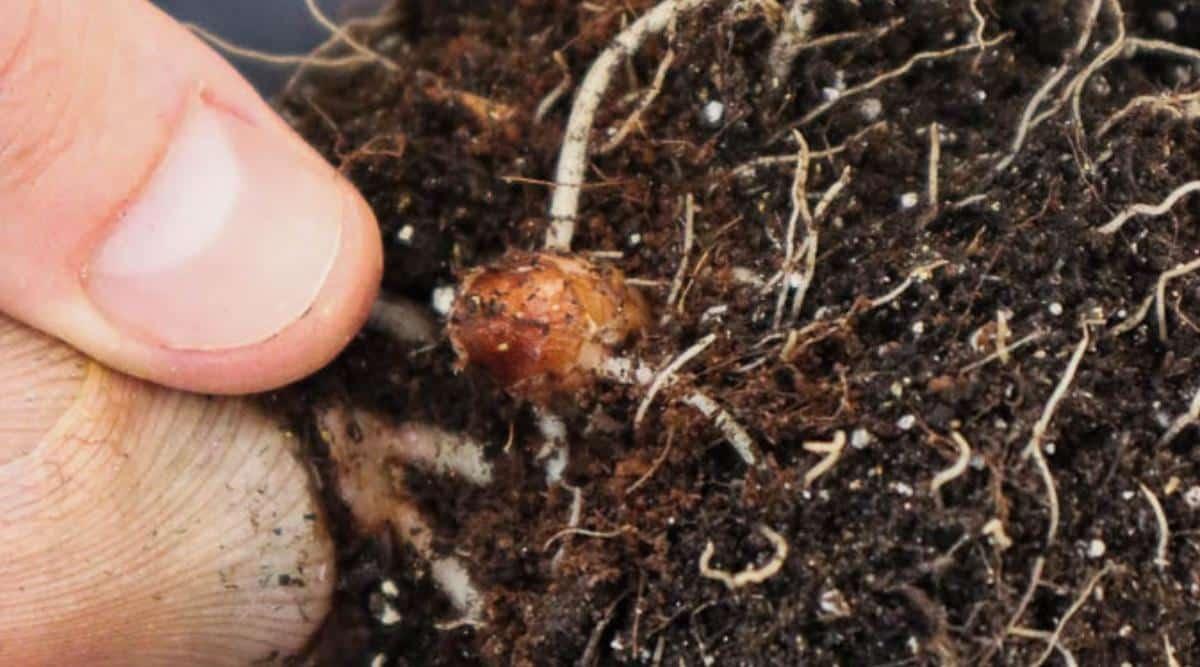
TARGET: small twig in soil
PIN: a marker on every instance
(634, 119)
(750, 575)
(1034, 447)
(729, 427)
(655, 466)
(892, 74)
(1003, 333)
(1152, 210)
(955, 470)
(1182, 421)
(1053, 639)
(1160, 290)
(1164, 529)
(572, 158)
(832, 449)
(935, 158)
(799, 195)
(667, 373)
(689, 238)
(591, 652)
(556, 92)
(794, 32)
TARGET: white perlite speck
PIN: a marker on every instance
(909, 200)
(1192, 497)
(713, 113)
(442, 299)
(860, 438)
(1096, 549)
(906, 422)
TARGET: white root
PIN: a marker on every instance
(920, 273)
(1140, 44)
(1169, 651)
(832, 194)
(1164, 529)
(994, 529)
(572, 157)
(750, 166)
(1130, 323)
(957, 468)
(664, 376)
(1026, 123)
(1053, 638)
(303, 59)
(794, 32)
(689, 239)
(1030, 633)
(750, 575)
(341, 33)
(1028, 120)
(1176, 105)
(832, 450)
(1035, 577)
(1034, 447)
(634, 119)
(1152, 210)
(1160, 293)
(1080, 80)
(799, 194)
(556, 92)
(734, 432)
(1182, 421)
(912, 62)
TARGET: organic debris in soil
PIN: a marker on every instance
(932, 340)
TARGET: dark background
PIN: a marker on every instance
(276, 26)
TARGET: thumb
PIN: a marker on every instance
(157, 215)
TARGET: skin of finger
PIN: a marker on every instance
(90, 93)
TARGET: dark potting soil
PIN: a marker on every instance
(1009, 281)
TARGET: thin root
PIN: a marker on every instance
(734, 432)
(1164, 529)
(1034, 447)
(1152, 210)
(832, 450)
(959, 466)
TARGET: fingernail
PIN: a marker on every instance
(228, 242)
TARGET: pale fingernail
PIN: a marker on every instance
(228, 242)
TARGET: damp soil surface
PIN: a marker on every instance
(953, 332)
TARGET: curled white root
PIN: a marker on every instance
(750, 575)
